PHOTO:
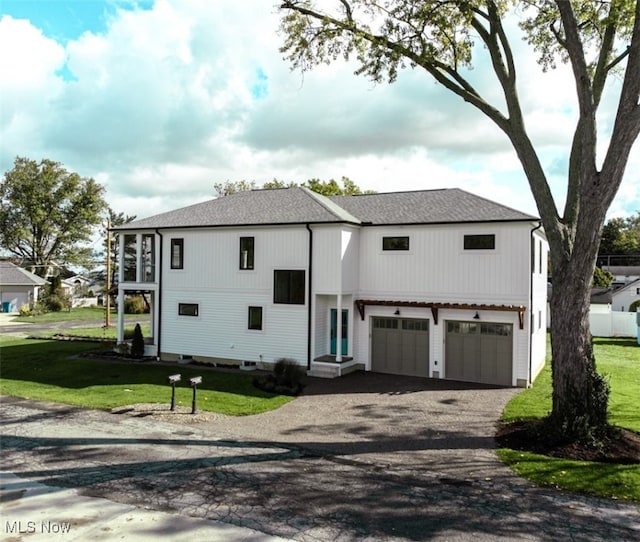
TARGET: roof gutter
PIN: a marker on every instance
(309, 293)
(160, 259)
(531, 316)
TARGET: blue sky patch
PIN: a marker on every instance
(260, 88)
(64, 20)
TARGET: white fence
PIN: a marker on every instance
(613, 324)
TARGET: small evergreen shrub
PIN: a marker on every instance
(137, 343)
(286, 378)
(634, 306)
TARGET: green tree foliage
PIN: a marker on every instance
(602, 278)
(230, 187)
(54, 298)
(440, 37)
(346, 187)
(47, 213)
(621, 237)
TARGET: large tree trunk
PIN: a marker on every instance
(580, 394)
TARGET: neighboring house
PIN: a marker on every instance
(621, 298)
(623, 274)
(76, 286)
(438, 283)
(18, 287)
(600, 300)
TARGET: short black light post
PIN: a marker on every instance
(173, 380)
(194, 384)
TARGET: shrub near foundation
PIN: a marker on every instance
(286, 378)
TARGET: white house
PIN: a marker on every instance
(439, 283)
(18, 287)
(623, 297)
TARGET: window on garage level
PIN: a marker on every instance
(395, 243)
(188, 309)
(480, 242)
(288, 286)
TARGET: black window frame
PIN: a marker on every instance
(183, 309)
(248, 244)
(177, 242)
(251, 323)
(483, 241)
(393, 243)
(294, 283)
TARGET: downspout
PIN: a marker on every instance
(310, 290)
(159, 274)
(531, 323)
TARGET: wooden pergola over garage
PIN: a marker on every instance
(520, 309)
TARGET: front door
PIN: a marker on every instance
(345, 331)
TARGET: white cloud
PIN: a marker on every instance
(166, 101)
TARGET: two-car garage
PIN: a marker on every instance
(474, 351)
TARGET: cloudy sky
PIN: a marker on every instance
(159, 99)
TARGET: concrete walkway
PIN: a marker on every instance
(35, 512)
(366, 457)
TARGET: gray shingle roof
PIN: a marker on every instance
(12, 275)
(428, 207)
(300, 206)
(253, 207)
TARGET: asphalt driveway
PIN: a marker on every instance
(365, 457)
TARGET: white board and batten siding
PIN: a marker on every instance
(436, 264)
(437, 268)
(211, 278)
(336, 254)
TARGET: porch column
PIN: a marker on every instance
(339, 327)
(120, 315)
(120, 337)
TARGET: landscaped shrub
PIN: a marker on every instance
(135, 305)
(286, 378)
(634, 306)
(25, 310)
(137, 343)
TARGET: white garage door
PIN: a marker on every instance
(400, 346)
(479, 352)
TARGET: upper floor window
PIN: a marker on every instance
(177, 253)
(480, 242)
(395, 243)
(148, 257)
(246, 252)
(288, 287)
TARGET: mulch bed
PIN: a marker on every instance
(621, 446)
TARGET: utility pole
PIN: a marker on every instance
(107, 320)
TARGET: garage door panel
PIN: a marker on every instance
(479, 352)
(400, 346)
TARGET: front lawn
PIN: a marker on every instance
(619, 361)
(52, 371)
(78, 314)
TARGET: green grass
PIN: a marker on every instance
(619, 361)
(77, 314)
(51, 371)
